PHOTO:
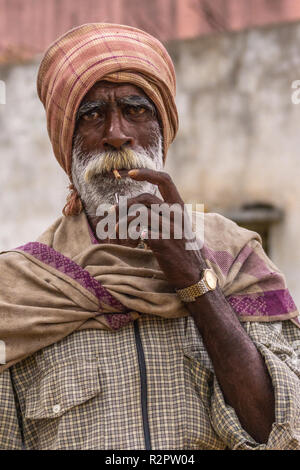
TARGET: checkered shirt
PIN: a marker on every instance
(84, 392)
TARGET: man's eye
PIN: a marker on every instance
(91, 116)
(136, 110)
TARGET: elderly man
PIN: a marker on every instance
(122, 343)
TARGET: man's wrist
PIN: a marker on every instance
(207, 308)
(206, 282)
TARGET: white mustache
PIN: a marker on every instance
(124, 159)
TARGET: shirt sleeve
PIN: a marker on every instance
(279, 345)
(10, 432)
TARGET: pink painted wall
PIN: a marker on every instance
(27, 27)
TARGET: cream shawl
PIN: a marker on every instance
(66, 281)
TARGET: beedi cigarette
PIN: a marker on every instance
(117, 174)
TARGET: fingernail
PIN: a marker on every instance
(133, 172)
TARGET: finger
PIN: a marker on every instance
(134, 228)
(162, 179)
(164, 218)
(131, 229)
(144, 200)
(136, 237)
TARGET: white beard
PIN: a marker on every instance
(99, 189)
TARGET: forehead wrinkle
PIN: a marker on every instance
(131, 99)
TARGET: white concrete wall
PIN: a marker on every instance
(238, 142)
(33, 186)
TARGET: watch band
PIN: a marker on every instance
(207, 283)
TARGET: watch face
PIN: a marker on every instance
(211, 279)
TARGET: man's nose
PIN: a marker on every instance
(115, 135)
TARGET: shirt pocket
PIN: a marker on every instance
(61, 388)
(197, 353)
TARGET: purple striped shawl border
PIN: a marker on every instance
(265, 304)
(65, 265)
(250, 261)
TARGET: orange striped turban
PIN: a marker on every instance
(101, 51)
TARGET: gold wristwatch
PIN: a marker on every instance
(207, 282)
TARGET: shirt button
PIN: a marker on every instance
(56, 409)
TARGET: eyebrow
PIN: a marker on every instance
(132, 100)
(89, 106)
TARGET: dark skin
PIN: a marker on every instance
(238, 365)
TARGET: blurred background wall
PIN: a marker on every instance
(238, 144)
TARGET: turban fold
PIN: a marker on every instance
(101, 51)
